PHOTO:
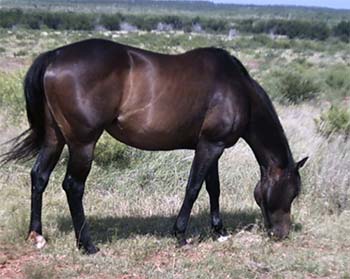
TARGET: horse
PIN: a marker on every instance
(203, 100)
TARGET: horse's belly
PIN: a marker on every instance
(157, 134)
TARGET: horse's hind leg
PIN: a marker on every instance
(79, 165)
(213, 188)
(206, 154)
(44, 164)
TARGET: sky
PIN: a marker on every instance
(337, 4)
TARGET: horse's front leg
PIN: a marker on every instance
(79, 165)
(206, 154)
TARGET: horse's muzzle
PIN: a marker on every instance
(279, 233)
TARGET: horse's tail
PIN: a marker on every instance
(27, 144)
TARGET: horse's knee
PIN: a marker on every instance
(72, 186)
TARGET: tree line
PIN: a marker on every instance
(303, 29)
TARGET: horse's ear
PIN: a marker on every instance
(301, 163)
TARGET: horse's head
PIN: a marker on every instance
(274, 194)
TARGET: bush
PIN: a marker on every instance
(335, 120)
(111, 152)
(10, 18)
(342, 30)
(111, 22)
(291, 86)
(337, 79)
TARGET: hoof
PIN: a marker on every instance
(91, 250)
(223, 238)
(220, 235)
(37, 240)
(182, 243)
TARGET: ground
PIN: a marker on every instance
(131, 204)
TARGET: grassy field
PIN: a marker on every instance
(132, 197)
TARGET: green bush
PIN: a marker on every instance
(291, 86)
(111, 22)
(337, 80)
(335, 120)
(111, 152)
(10, 18)
(342, 30)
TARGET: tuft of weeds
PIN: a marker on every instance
(11, 94)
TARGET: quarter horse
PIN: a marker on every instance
(203, 100)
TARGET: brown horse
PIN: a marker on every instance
(203, 99)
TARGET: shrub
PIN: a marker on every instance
(342, 30)
(338, 81)
(291, 86)
(10, 18)
(335, 120)
(111, 22)
(111, 152)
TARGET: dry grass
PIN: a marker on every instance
(132, 210)
(132, 207)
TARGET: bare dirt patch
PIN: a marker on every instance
(13, 262)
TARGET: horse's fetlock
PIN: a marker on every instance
(217, 222)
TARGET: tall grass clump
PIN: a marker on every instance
(329, 188)
(11, 93)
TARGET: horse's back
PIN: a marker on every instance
(145, 99)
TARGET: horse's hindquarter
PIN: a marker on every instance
(83, 87)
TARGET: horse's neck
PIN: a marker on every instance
(265, 134)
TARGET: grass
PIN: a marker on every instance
(132, 197)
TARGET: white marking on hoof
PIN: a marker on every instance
(224, 238)
(37, 240)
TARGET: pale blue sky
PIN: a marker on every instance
(337, 4)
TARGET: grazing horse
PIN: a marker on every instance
(203, 99)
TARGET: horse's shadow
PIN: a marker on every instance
(107, 229)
